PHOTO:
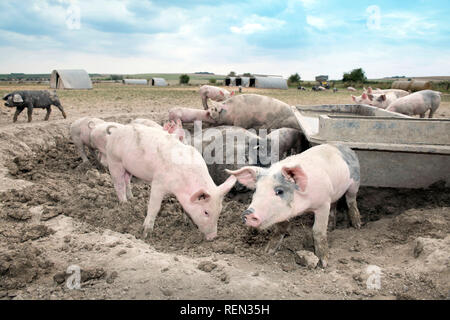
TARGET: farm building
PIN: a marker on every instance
(230, 81)
(157, 82)
(70, 79)
(268, 82)
(135, 81)
(242, 81)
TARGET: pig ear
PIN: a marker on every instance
(200, 196)
(296, 175)
(383, 97)
(246, 176)
(353, 98)
(221, 93)
(225, 187)
(17, 98)
(232, 93)
(370, 96)
(6, 96)
(369, 90)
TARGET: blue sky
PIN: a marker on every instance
(311, 37)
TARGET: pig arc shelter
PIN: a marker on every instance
(70, 79)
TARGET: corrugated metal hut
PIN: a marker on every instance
(230, 81)
(243, 81)
(158, 82)
(70, 79)
(135, 81)
(268, 82)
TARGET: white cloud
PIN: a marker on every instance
(257, 23)
(316, 22)
(308, 3)
(405, 25)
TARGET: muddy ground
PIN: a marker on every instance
(56, 212)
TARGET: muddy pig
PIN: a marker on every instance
(190, 115)
(80, 133)
(159, 158)
(312, 181)
(32, 99)
(254, 111)
(213, 93)
(417, 103)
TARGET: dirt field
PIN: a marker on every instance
(56, 212)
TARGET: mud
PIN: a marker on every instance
(57, 184)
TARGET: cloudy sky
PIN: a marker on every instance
(311, 37)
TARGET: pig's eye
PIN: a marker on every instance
(279, 192)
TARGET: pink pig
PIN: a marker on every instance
(213, 93)
(190, 115)
(417, 103)
(312, 181)
(98, 138)
(80, 131)
(171, 167)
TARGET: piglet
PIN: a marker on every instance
(159, 158)
(190, 115)
(213, 93)
(312, 181)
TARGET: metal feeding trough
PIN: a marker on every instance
(394, 150)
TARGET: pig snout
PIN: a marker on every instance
(211, 236)
(251, 218)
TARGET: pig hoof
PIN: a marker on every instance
(323, 263)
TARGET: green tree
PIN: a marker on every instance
(247, 74)
(356, 75)
(184, 79)
(212, 81)
(232, 74)
(294, 79)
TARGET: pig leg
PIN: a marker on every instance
(353, 212)
(154, 204)
(118, 173)
(128, 177)
(49, 110)
(30, 112)
(332, 219)
(430, 115)
(60, 107)
(320, 233)
(280, 233)
(205, 102)
(16, 114)
(422, 115)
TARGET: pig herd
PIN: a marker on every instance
(401, 101)
(196, 168)
(166, 158)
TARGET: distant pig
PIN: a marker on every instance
(32, 99)
(351, 89)
(254, 111)
(80, 133)
(213, 93)
(190, 115)
(171, 167)
(417, 103)
(312, 181)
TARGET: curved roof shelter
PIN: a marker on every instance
(230, 81)
(268, 82)
(70, 79)
(243, 81)
(158, 82)
(135, 81)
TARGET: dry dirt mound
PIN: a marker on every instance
(53, 182)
